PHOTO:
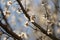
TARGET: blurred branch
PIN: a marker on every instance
(5, 19)
(7, 29)
(24, 11)
(38, 26)
(4, 32)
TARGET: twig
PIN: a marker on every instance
(35, 24)
(24, 11)
(5, 19)
(14, 35)
(8, 30)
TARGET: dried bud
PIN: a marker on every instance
(26, 24)
(32, 18)
(9, 3)
(19, 11)
(7, 14)
(24, 35)
(49, 31)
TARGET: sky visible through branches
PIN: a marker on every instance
(34, 28)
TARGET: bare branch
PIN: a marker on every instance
(7, 29)
(5, 19)
(24, 11)
(14, 35)
(38, 26)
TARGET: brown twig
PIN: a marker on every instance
(7, 29)
(24, 11)
(14, 35)
(35, 24)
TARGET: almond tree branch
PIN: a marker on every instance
(35, 24)
(3, 16)
(4, 32)
(24, 11)
(7, 29)
(14, 35)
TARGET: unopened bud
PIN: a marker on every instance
(26, 24)
(9, 3)
(32, 18)
(49, 31)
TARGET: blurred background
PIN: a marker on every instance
(45, 13)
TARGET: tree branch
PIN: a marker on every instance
(8, 30)
(5, 19)
(24, 11)
(35, 24)
(5, 27)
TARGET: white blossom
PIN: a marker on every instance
(9, 3)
